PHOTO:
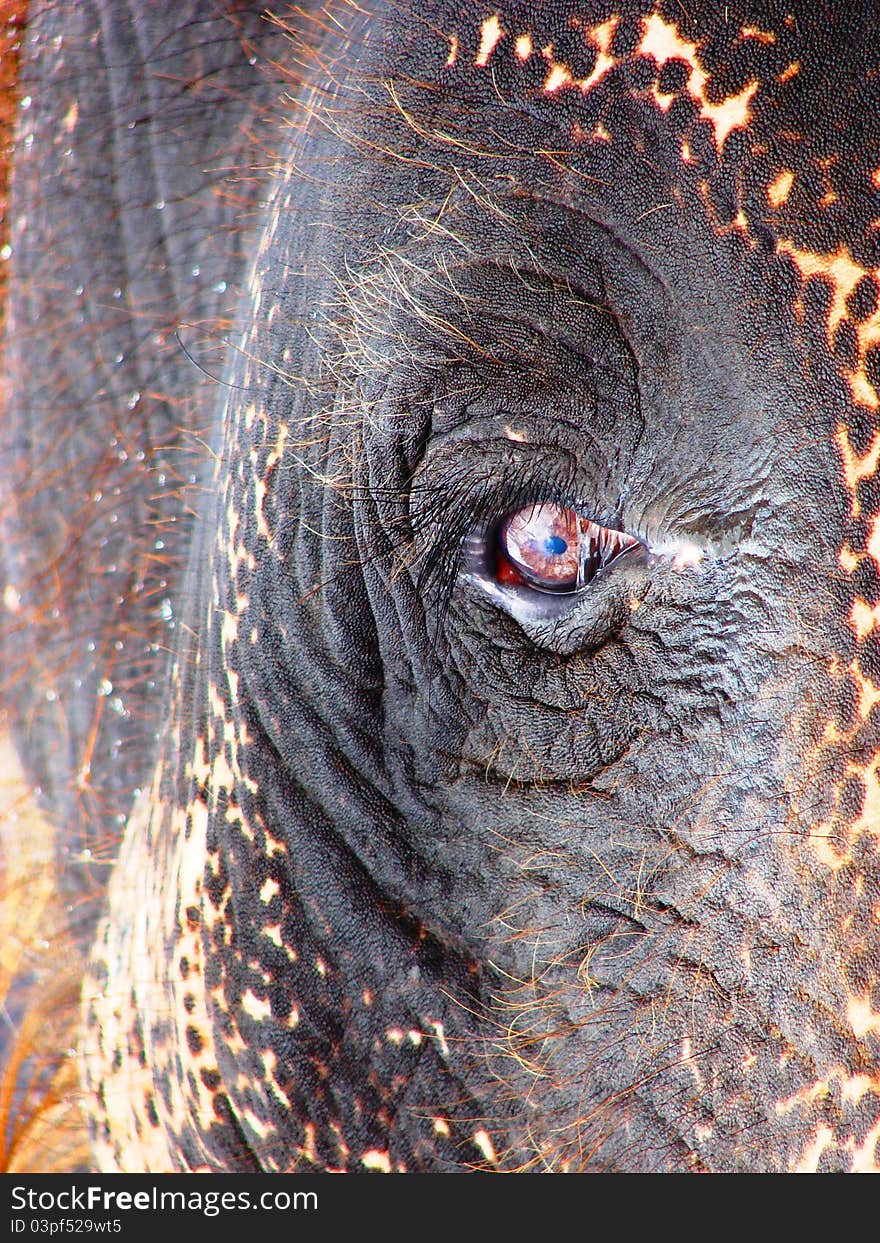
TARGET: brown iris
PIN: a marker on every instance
(555, 549)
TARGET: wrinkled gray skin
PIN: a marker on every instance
(548, 872)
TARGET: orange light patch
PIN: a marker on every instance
(662, 42)
(491, 34)
(453, 51)
(790, 71)
(780, 188)
(524, 47)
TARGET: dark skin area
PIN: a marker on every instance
(471, 877)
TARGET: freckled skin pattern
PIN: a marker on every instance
(405, 882)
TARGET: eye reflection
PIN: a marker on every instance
(554, 549)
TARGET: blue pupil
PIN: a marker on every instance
(555, 544)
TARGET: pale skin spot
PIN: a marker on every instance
(687, 1057)
(843, 273)
(453, 52)
(863, 618)
(441, 1127)
(869, 692)
(376, 1160)
(229, 629)
(824, 849)
(662, 42)
(864, 1156)
(260, 1128)
(524, 47)
(223, 778)
(309, 1149)
(262, 526)
(863, 1020)
(854, 1087)
(560, 75)
(269, 889)
(255, 1007)
(440, 1038)
(733, 113)
(803, 1099)
(755, 32)
(780, 188)
(490, 35)
(603, 34)
(484, 1144)
(823, 1138)
(11, 599)
(70, 118)
(855, 467)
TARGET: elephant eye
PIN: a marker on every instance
(549, 548)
